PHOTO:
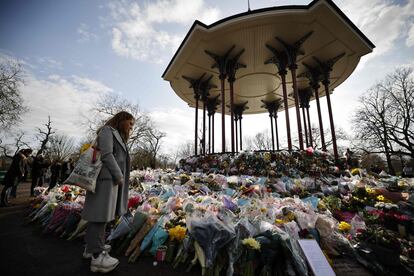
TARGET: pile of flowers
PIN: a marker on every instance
(207, 213)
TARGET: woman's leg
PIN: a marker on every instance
(95, 237)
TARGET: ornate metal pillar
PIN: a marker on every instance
(232, 66)
(209, 133)
(238, 111)
(314, 75)
(195, 84)
(277, 132)
(280, 60)
(211, 111)
(220, 62)
(310, 127)
(205, 87)
(326, 68)
(304, 97)
(272, 107)
(236, 118)
(292, 51)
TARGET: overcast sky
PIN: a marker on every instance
(74, 51)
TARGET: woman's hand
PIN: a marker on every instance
(120, 182)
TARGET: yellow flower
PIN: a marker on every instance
(355, 171)
(177, 233)
(84, 147)
(252, 243)
(290, 216)
(380, 198)
(344, 226)
(369, 190)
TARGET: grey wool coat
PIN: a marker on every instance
(109, 199)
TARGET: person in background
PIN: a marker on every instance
(111, 193)
(55, 170)
(27, 165)
(348, 158)
(14, 174)
(38, 171)
(67, 168)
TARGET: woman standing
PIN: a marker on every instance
(111, 193)
(14, 174)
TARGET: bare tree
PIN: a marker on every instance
(340, 133)
(370, 120)
(384, 121)
(11, 101)
(399, 88)
(372, 160)
(152, 143)
(261, 141)
(184, 150)
(61, 147)
(17, 144)
(109, 105)
(44, 136)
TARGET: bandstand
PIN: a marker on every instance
(266, 60)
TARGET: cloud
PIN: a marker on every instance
(49, 62)
(140, 31)
(85, 35)
(178, 124)
(67, 100)
(410, 38)
(382, 21)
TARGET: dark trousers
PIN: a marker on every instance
(7, 188)
(13, 192)
(95, 237)
(37, 180)
(53, 182)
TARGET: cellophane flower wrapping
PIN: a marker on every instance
(211, 233)
(243, 229)
(123, 227)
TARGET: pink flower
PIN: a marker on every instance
(309, 151)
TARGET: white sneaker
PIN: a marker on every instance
(103, 263)
(107, 248)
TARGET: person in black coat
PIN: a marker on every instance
(55, 170)
(67, 168)
(38, 171)
(14, 174)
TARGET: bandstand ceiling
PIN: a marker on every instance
(333, 34)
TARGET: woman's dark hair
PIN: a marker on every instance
(116, 122)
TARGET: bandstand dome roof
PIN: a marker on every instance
(333, 34)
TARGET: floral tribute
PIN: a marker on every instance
(244, 215)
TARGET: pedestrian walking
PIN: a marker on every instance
(15, 173)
